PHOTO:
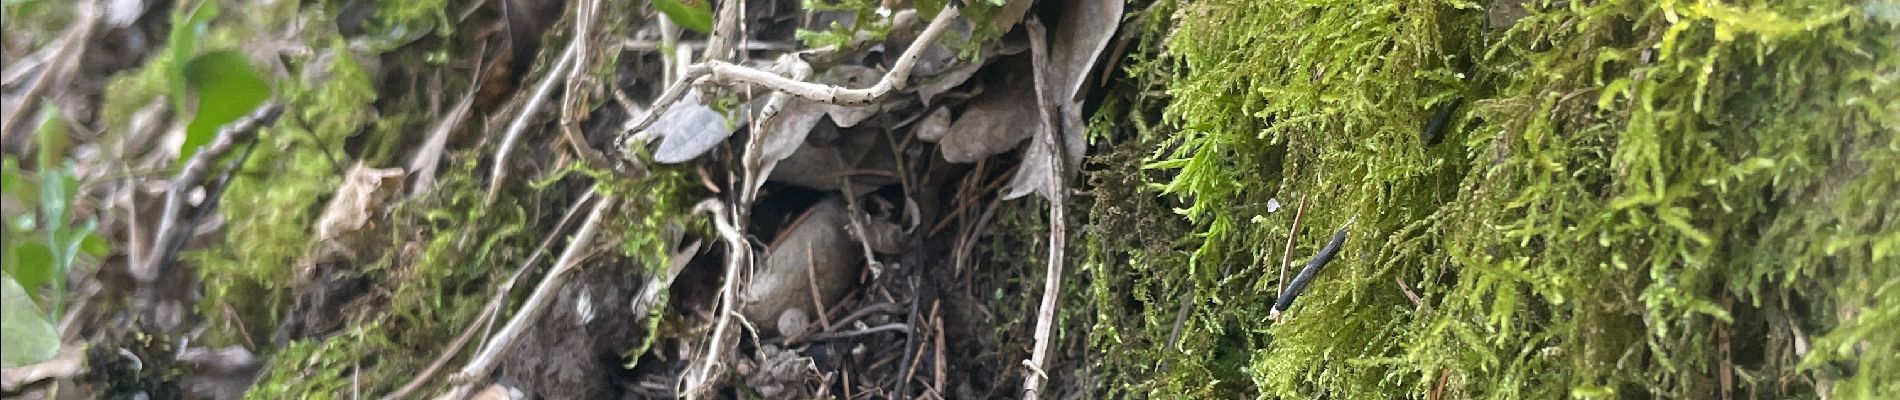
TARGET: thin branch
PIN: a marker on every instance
(1286, 259)
(894, 326)
(531, 310)
(188, 177)
(739, 256)
(1058, 194)
(58, 70)
(811, 281)
(725, 73)
(494, 303)
(719, 46)
(541, 91)
(638, 45)
(572, 111)
(69, 363)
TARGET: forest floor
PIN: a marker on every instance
(962, 199)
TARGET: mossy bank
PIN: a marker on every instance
(1621, 198)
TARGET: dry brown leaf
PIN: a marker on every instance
(1084, 30)
(362, 194)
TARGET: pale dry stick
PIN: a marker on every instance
(1058, 194)
(638, 45)
(894, 326)
(1286, 259)
(520, 124)
(911, 370)
(59, 65)
(754, 155)
(193, 171)
(938, 361)
(19, 69)
(739, 258)
(70, 362)
(531, 310)
(572, 111)
(494, 303)
(811, 281)
(726, 73)
(719, 46)
(851, 215)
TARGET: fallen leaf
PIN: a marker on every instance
(1080, 36)
(934, 86)
(362, 194)
(1078, 41)
(816, 164)
(27, 334)
(996, 121)
(688, 129)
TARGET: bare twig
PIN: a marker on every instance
(541, 91)
(572, 109)
(1409, 294)
(537, 302)
(637, 45)
(60, 67)
(147, 270)
(69, 363)
(894, 326)
(1286, 259)
(726, 73)
(739, 257)
(851, 214)
(719, 46)
(938, 360)
(811, 281)
(494, 303)
(1058, 194)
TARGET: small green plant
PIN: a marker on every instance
(42, 245)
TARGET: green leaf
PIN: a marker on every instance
(26, 335)
(34, 263)
(52, 138)
(187, 27)
(227, 88)
(94, 245)
(13, 181)
(689, 14)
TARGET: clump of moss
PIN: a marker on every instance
(1637, 198)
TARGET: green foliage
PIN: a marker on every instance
(1629, 186)
(690, 14)
(281, 187)
(42, 244)
(187, 28)
(26, 335)
(864, 19)
(227, 88)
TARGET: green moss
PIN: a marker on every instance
(1629, 186)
